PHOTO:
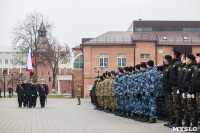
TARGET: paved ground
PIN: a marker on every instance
(64, 115)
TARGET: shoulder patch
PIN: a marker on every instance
(174, 65)
(189, 69)
(167, 70)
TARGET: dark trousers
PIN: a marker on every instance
(96, 101)
(25, 103)
(20, 100)
(29, 101)
(34, 99)
(42, 101)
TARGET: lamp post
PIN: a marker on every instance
(4, 74)
(99, 71)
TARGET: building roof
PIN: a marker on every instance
(112, 38)
(77, 47)
(169, 37)
(177, 24)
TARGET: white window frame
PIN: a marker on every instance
(11, 61)
(0, 61)
(144, 56)
(6, 61)
(103, 56)
(78, 62)
(121, 57)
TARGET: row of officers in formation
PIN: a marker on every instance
(28, 93)
(145, 92)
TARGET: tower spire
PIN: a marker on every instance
(42, 30)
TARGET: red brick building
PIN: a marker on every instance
(146, 40)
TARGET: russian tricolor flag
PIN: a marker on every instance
(30, 64)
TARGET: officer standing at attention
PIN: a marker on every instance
(20, 93)
(29, 92)
(176, 63)
(196, 83)
(167, 89)
(35, 93)
(43, 92)
(78, 92)
(189, 90)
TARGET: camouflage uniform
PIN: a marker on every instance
(105, 92)
(110, 90)
(115, 89)
(101, 98)
(97, 92)
(152, 77)
(161, 102)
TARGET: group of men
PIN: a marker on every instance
(145, 92)
(28, 93)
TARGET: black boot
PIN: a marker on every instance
(194, 124)
(145, 118)
(123, 113)
(152, 120)
(117, 112)
(170, 122)
(140, 117)
(135, 116)
(187, 123)
(178, 123)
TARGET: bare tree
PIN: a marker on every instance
(54, 55)
(27, 35)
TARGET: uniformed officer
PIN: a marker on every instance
(128, 95)
(116, 89)
(43, 92)
(29, 92)
(189, 90)
(114, 98)
(181, 72)
(143, 89)
(110, 91)
(20, 93)
(196, 83)
(136, 93)
(35, 93)
(162, 111)
(152, 82)
(25, 99)
(98, 93)
(78, 93)
(177, 108)
(106, 93)
(167, 89)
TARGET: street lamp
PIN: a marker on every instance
(95, 70)
(4, 74)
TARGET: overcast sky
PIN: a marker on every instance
(76, 19)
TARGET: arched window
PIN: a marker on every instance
(78, 63)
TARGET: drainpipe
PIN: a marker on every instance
(156, 52)
(81, 46)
